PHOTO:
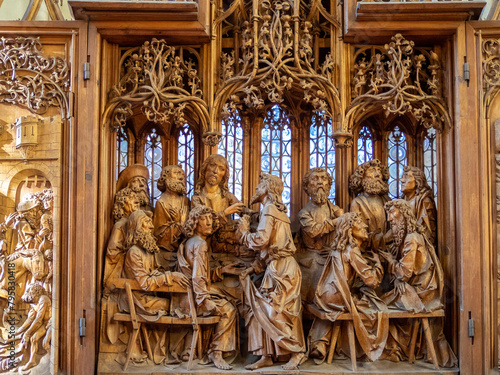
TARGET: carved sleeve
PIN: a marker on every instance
(370, 274)
(201, 272)
(260, 239)
(312, 227)
(147, 281)
(403, 268)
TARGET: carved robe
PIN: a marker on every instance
(168, 229)
(372, 211)
(334, 295)
(425, 212)
(274, 318)
(193, 262)
(317, 230)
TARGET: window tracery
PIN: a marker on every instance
(122, 144)
(397, 160)
(185, 155)
(365, 145)
(153, 160)
(430, 159)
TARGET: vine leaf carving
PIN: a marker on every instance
(491, 69)
(44, 81)
(163, 80)
(399, 79)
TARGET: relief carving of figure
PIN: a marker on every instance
(317, 220)
(136, 177)
(348, 284)
(193, 260)
(274, 317)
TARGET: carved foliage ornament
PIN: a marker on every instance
(163, 80)
(491, 69)
(400, 80)
(277, 58)
(30, 79)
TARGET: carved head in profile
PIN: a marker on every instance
(33, 293)
(202, 220)
(31, 210)
(402, 219)
(140, 231)
(350, 226)
(126, 202)
(172, 179)
(413, 181)
(270, 186)
(214, 171)
(370, 177)
(317, 184)
(136, 178)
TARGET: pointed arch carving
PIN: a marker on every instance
(397, 79)
(162, 80)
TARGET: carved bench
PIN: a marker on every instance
(394, 314)
(137, 322)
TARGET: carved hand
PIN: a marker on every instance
(211, 307)
(233, 209)
(246, 272)
(181, 279)
(233, 268)
(399, 286)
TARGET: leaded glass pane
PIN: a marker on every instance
(397, 160)
(365, 145)
(153, 160)
(322, 147)
(276, 149)
(121, 151)
(430, 159)
(231, 147)
(185, 156)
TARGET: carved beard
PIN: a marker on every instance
(375, 186)
(176, 187)
(398, 232)
(147, 241)
(319, 196)
(143, 197)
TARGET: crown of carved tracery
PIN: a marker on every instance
(400, 80)
(163, 80)
(491, 69)
(31, 79)
(276, 58)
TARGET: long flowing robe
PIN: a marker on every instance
(193, 262)
(334, 296)
(317, 231)
(168, 230)
(425, 212)
(274, 317)
(372, 211)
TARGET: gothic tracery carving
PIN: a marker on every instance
(491, 68)
(164, 80)
(401, 80)
(44, 81)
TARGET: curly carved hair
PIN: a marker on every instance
(343, 231)
(161, 184)
(224, 187)
(356, 179)
(274, 189)
(194, 216)
(35, 290)
(409, 216)
(422, 186)
(308, 175)
(120, 199)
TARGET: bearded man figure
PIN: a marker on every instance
(369, 184)
(317, 220)
(136, 178)
(418, 282)
(274, 315)
(418, 193)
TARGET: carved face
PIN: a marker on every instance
(373, 182)
(175, 180)
(260, 193)
(408, 183)
(32, 217)
(147, 225)
(205, 225)
(360, 230)
(138, 183)
(215, 172)
(48, 204)
(131, 204)
(398, 225)
(319, 187)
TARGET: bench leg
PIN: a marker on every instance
(430, 344)
(413, 340)
(131, 341)
(333, 341)
(194, 345)
(146, 342)
(352, 344)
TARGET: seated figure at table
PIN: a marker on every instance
(347, 286)
(210, 300)
(317, 221)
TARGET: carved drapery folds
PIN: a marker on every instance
(400, 80)
(275, 59)
(30, 79)
(164, 81)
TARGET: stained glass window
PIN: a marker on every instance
(365, 145)
(153, 160)
(322, 147)
(397, 160)
(121, 150)
(185, 156)
(276, 149)
(430, 159)
(231, 147)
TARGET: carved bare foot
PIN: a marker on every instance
(264, 361)
(294, 362)
(216, 358)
